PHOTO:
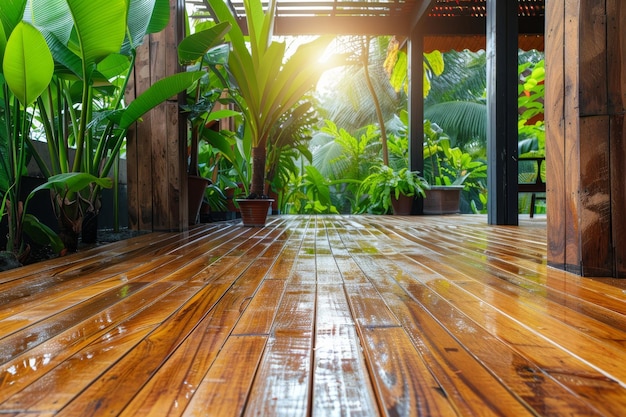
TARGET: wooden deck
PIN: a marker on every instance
(314, 316)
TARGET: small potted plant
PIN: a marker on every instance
(446, 169)
(396, 189)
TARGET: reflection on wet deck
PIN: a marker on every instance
(314, 315)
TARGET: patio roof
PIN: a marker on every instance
(384, 17)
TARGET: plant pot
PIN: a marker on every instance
(403, 205)
(443, 199)
(195, 193)
(254, 211)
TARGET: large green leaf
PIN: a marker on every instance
(51, 16)
(72, 182)
(160, 16)
(41, 234)
(156, 94)
(28, 64)
(195, 46)
(100, 26)
(11, 13)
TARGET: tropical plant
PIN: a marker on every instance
(289, 147)
(447, 165)
(200, 52)
(385, 183)
(311, 193)
(269, 83)
(93, 45)
(26, 65)
(397, 66)
(531, 127)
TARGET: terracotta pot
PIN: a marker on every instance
(403, 205)
(443, 200)
(195, 193)
(254, 211)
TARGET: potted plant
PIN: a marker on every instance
(269, 82)
(446, 169)
(396, 189)
(81, 111)
(201, 51)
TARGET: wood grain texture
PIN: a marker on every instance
(314, 316)
(555, 131)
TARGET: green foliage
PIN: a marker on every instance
(531, 127)
(269, 82)
(338, 154)
(68, 62)
(385, 183)
(446, 165)
(310, 193)
(397, 66)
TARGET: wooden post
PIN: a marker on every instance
(416, 104)
(585, 142)
(157, 148)
(502, 112)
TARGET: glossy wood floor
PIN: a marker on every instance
(319, 316)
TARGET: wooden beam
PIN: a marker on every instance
(502, 111)
(416, 104)
(342, 25)
(157, 148)
(467, 25)
(585, 137)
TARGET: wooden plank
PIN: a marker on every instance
(282, 386)
(105, 393)
(368, 306)
(224, 390)
(341, 384)
(571, 167)
(404, 385)
(555, 132)
(595, 197)
(58, 377)
(468, 385)
(172, 386)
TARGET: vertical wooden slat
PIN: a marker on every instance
(157, 149)
(555, 132)
(616, 36)
(416, 104)
(571, 167)
(594, 195)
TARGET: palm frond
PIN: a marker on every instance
(462, 121)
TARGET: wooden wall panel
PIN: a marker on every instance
(594, 197)
(555, 132)
(616, 38)
(589, 205)
(156, 152)
(139, 169)
(594, 193)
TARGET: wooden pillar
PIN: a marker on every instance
(157, 148)
(416, 103)
(585, 136)
(502, 33)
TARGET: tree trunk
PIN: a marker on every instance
(257, 188)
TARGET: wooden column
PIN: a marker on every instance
(157, 148)
(502, 114)
(585, 136)
(416, 104)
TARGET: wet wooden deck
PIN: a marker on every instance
(319, 316)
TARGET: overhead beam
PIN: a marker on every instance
(341, 25)
(467, 25)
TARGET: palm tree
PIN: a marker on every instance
(457, 101)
